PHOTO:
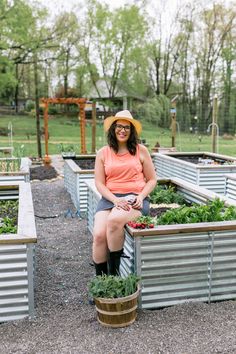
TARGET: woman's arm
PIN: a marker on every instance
(149, 175)
(100, 178)
(148, 171)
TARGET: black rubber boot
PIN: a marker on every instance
(101, 268)
(114, 262)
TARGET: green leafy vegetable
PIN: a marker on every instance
(166, 194)
(8, 216)
(110, 286)
(214, 211)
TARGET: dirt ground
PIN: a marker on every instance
(65, 322)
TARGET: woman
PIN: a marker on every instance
(124, 175)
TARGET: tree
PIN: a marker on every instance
(66, 52)
(7, 80)
(227, 107)
(83, 82)
(212, 34)
(15, 21)
(110, 39)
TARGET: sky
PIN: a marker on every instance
(57, 6)
(168, 7)
(61, 5)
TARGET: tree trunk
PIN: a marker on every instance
(66, 107)
(157, 66)
(17, 89)
(227, 89)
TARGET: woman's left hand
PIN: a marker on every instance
(138, 204)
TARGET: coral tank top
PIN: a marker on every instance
(124, 172)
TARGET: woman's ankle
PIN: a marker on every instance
(101, 268)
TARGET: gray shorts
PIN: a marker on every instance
(105, 204)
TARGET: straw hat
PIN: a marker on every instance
(124, 115)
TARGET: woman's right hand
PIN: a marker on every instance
(121, 203)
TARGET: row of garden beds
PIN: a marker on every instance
(191, 261)
(207, 170)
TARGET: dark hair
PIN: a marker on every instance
(132, 142)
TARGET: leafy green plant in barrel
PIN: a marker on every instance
(110, 286)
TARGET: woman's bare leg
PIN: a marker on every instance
(115, 226)
(100, 236)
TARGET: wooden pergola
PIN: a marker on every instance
(81, 103)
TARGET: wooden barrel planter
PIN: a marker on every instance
(204, 169)
(120, 312)
(75, 176)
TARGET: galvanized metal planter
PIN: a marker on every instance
(17, 256)
(180, 263)
(74, 180)
(211, 177)
(21, 174)
(230, 186)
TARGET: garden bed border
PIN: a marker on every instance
(74, 181)
(180, 263)
(23, 174)
(17, 256)
(230, 186)
(211, 177)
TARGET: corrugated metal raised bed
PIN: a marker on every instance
(204, 169)
(180, 263)
(230, 186)
(15, 169)
(74, 178)
(17, 256)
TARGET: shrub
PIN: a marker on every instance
(29, 105)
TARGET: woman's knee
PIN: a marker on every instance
(99, 237)
(115, 223)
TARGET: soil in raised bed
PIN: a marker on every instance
(193, 159)
(157, 211)
(86, 164)
(204, 159)
(43, 172)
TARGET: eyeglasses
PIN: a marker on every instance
(119, 127)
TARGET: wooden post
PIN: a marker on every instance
(214, 124)
(173, 123)
(81, 117)
(82, 127)
(36, 84)
(45, 115)
(94, 127)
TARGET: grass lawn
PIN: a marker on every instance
(66, 130)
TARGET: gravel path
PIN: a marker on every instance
(66, 323)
